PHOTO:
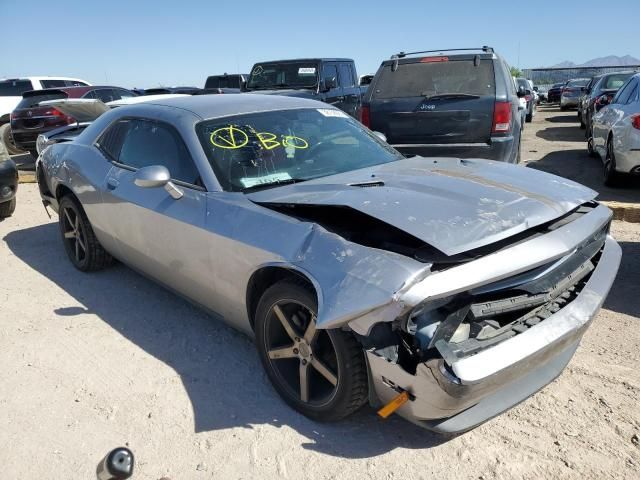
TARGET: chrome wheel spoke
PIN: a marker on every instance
(324, 371)
(285, 322)
(310, 334)
(304, 382)
(66, 214)
(70, 234)
(80, 242)
(77, 250)
(284, 352)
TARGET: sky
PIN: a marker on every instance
(144, 43)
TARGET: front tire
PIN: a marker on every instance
(80, 242)
(319, 373)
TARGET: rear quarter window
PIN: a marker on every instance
(14, 88)
(426, 79)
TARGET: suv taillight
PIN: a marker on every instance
(365, 116)
(501, 117)
(57, 113)
(635, 121)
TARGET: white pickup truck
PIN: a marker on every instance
(11, 91)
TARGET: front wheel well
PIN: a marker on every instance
(62, 191)
(262, 279)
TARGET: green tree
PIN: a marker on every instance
(515, 72)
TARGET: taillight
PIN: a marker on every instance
(57, 113)
(501, 117)
(365, 116)
(635, 121)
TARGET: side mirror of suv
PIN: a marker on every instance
(521, 91)
(328, 83)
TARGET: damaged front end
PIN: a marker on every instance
(475, 339)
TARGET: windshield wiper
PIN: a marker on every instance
(275, 183)
(446, 96)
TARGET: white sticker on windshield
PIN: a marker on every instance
(274, 177)
(330, 112)
(307, 71)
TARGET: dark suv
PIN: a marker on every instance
(30, 119)
(460, 103)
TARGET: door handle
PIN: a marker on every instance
(112, 183)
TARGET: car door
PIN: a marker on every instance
(350, 89)
(156, 233)
(334, 96)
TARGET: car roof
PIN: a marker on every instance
(315, 59)
(70, 91)
(42, 78)
(216, 106)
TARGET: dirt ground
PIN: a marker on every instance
(91, 362)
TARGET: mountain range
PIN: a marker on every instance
(608, 61)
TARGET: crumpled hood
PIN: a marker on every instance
(454, 205)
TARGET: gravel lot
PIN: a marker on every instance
(90, 362)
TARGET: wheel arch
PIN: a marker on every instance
(267, 275)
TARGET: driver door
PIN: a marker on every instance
(157, 234)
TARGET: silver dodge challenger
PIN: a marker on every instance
(442, 289)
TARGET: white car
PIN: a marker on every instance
(616, 133)
(11, 91)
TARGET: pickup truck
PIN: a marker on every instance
(226, 83)
(331, 80)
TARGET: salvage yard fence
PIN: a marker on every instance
(546, 77)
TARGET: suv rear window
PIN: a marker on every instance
(420, 79)
(225, 81)
(616, 81)
(14, 88)
(31, 101)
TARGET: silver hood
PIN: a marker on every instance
(454, 205)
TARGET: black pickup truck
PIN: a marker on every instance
(331, 80)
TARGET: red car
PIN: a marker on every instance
(29, 119)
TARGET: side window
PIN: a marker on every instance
(53, 83)
(110, 142)
(89, 94)
(122, 93)
(624, 92)
(346, 77)
(106, 95)
(329, 70)
(149, 143)
(75, 83)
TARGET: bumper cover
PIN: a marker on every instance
(457, 397)
(500, 149)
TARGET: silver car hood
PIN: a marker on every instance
(454, 205)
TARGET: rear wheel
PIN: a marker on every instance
(7, 139)
(7, 208)
(590, 149)
(319, 373)
(611, 176)
(80, 243)
(34, 154)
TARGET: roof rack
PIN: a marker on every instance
(404, 54)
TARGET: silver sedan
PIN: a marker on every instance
(616, 133)
(445, 290)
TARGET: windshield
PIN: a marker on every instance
(14, 88)
(261, 150)
(283, 75)
(581, 82)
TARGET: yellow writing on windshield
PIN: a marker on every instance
(232, 137)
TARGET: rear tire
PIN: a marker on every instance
(7, 208)
(7, 139)
(80, 242)
(612, 178)
(34, 154)
(329, 363)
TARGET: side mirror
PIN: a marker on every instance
(604, 100)
(381, 136)
(527, 92)
(535, 89)
(328, 83)
(152, 176)
(521, 91)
